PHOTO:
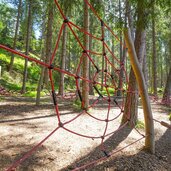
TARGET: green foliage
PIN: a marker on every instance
(10, 82)
(77, 104)
(33, 94)
(140, 124)
(33, 69)
(170, 116)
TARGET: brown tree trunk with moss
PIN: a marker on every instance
(131, 104)
(85, 84)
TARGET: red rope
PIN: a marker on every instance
(107, 76)
(30, 152)
(95, 162)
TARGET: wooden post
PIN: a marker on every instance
(148, 118)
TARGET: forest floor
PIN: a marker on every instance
(23, 125)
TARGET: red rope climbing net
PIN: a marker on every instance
(116, 82)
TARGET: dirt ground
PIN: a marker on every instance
(23, 125)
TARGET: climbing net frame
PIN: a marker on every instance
(94, 81)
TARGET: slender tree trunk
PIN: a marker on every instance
(63, 61)
(49, 39)
(91, 70)
(148, 117)
(154, 57)
(85, 85)
(145, 68)
(29, 24)
(161, 71)
(40, 83)
(119, 93)
(15, 35)
(167, 91)
(69, 54)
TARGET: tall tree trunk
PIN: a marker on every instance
(40, 83)
(63, 60)
(85, 85)
(154, 57)
(49, 39)
(29, 24)
(129, 16)
(167, 91)
(91, 70)
(131, 104)
(145, 68)
(15, 35)
(119, 93)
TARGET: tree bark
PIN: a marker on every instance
(149, 125)
(29, 25)
(63, 61)
(145, 67)
(91, 70)
(15, 35)
(49, 39)
(119, 93)
(40, 83)
(131, 104)
(167, 91)
(154, 57)
(85, 85)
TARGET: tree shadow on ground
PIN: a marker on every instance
(142, 161)
(19, 150)
(110, 144)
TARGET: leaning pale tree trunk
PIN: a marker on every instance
(29, 25)
(148, 118)
(85, 85)
(15, 35)
(131, 104)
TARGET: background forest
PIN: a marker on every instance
(80, 58)
(32, 28)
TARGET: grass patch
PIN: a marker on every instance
(33, 94)
(140, 125)
(33, 69)
(77, 104)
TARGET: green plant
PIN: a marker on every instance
(77, 104)
(170, 116)
(140, 124)
(33, 94)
